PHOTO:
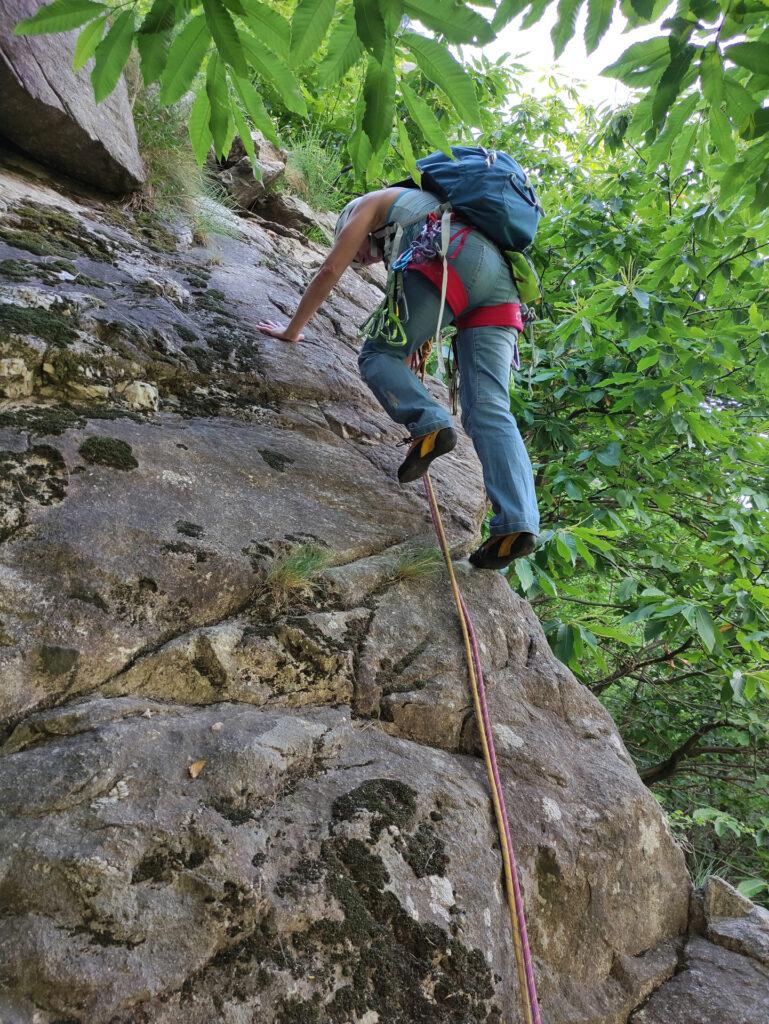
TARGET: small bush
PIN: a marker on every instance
(314, 171)
(292, 577)
(423, 563)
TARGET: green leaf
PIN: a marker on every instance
(457, 23)
(216, 88)
(563, 648)
(712, 75)
(235, 7)
(644, 9)
(184, 59)
(648, 361)
(343, 51)
(681, 150)
(153, 50)
(524, 573)
(275, 72)
(255, 108)
(439, 67)
(200, 133)
(225, 35)
(721, 135)
(271, 28)
(599, 14)
(624, 636)
(425, 119)
(610, 455)
(87, 41)
(370, 26)
(407, 152)
(670, 84)
(565, 24)
(154, 37)
(248, 143)
(757, 124)
(739, 102)
(750, 887)
(308, 27)
(160, 18)
(705, 626)
(359, 148)
(507, 10)
(60, 16)
(639, 59)
(753, 56)
(379, 97)
(111, 55)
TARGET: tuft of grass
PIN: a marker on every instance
(313, 171)
(292, 577)
(417, 564)
(315, 234)
(176, 186)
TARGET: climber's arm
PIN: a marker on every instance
(368, 215)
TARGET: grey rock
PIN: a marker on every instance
(338, 817)
(642, 975)
(236, 173)
(723, 900)
(293, 212)
(734, 922)
(49, 110)
(713, 986)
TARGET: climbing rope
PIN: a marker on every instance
(526, 985)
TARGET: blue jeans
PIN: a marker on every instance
(485, 357)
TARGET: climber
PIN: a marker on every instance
(480, 285)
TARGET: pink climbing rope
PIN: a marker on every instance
(521, 939)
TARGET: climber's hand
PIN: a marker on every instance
(276, 330)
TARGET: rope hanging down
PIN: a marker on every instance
(526, 984)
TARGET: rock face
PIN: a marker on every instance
(726, 979)
(239, 775)
(48, 110)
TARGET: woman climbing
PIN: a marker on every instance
(481, 301)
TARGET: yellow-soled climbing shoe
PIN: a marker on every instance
(500, 550)
(422, 452)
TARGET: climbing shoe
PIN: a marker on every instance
(422, 452)
(498, 551)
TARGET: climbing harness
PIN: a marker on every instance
(525, 968)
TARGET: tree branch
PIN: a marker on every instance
(632, 666)
(689, 748)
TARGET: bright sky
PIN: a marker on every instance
(574, 62)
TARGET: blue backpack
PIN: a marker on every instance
(487, 188)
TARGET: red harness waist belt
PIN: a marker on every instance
(505, 314)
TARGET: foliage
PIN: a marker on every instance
(314, 169)
(713, 58)
(176, 185)
(644, 406)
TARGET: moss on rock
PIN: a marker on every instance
(47, 231)
(389, 801)
(47, 324)
(108, 451)
(425, 852)
(404, 970)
